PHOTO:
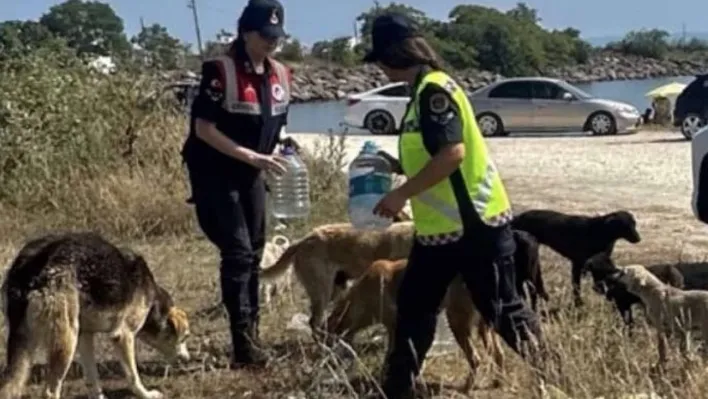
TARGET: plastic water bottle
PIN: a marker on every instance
(369, 181)
(290, 192)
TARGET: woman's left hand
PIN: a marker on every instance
(390, 205)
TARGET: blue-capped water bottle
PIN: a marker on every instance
(369, 181)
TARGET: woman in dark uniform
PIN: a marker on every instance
(235, 125)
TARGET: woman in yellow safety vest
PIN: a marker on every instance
(460, 207)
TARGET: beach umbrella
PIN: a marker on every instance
(668, 90)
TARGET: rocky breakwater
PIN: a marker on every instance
(325, 83)
(609, 67)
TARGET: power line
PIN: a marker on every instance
(193, 5)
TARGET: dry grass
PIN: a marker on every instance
(647, 173)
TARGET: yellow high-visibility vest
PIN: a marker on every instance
(435, 211)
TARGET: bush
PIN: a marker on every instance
(79, 148)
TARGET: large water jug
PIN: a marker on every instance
(290, 192)
(369, 181)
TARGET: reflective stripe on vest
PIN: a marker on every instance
(233, 104)
(435, 211)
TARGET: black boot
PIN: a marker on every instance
(247, 351)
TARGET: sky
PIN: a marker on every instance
(313, 20)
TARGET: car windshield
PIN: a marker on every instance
(575, 91)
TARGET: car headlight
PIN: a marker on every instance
(628, 110)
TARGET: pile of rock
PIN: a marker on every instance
(331, 82)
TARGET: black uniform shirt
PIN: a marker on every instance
(257, 132)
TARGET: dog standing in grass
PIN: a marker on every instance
(372, 300)
(271, 253)
(62, 289)
(671, 311)
(578, 237)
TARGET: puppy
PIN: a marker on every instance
(337, 252)
(372, 300)
(602, 267)
(669, 310)
(272, 251)
(577, 237)
(62, 289)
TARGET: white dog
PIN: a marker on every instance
(672, 311)
(271, 253)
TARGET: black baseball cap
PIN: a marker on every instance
(265, 16)
(387, 30)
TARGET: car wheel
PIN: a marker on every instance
(380, 122)
(601, 124)
(490, 125)
(690, 125)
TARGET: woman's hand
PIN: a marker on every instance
(272, 164)
(391, 205)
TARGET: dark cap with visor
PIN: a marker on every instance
(264, 16)
(388, 30)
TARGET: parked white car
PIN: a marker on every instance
(378, 110)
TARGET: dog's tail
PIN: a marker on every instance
(39, 320)
(281, 241)
(286, 259)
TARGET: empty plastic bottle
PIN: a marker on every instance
(290, 192)
(369, 181)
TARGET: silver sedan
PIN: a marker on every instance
(537, 104)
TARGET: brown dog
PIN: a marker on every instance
(332, 249)
(372, 300)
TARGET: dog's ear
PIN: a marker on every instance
(622, 224)
(675, 278)
(178, 319)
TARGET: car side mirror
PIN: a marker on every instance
(567, 96)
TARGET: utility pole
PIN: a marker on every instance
(193, 5)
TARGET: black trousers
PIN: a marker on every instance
(490, 280)
(231, 213)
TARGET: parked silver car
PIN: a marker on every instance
(537, 104)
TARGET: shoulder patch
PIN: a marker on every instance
(439, 103)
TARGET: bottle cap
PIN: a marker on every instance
(287, 150)
(370, 147)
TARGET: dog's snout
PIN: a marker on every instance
(183, 353)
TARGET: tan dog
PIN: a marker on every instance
(272, 251)
(372, 300)
(670, 310)
(338, 248)
(63, 289)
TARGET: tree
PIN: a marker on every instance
(645, 43)
(20, 37)
(338, 50)
(522, 12)
(367, 18)
(90, 27)
(291, 50)
(159, 49)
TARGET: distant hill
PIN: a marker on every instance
(600, 41)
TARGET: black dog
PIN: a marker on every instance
(577, 237)
(527, 260)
